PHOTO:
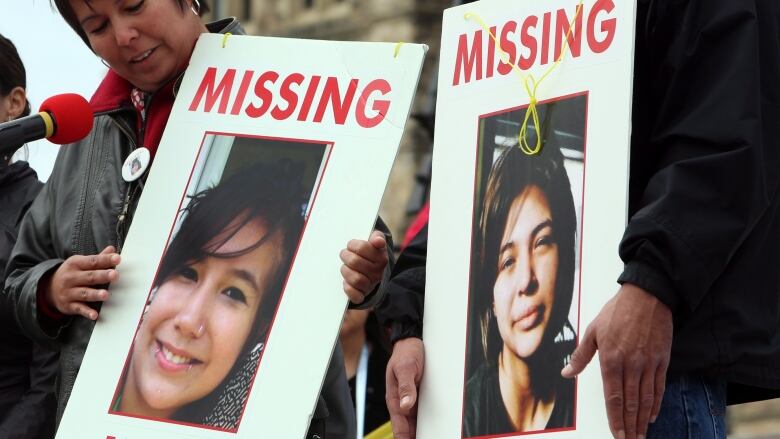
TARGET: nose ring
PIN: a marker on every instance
(200, 329)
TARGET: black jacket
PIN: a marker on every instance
(704, 229)
(18, 187)
(402, 307)
(27, 372)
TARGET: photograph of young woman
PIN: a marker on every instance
(523, 271)
(212, 303)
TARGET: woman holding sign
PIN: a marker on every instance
(523, 289)
(68, 248)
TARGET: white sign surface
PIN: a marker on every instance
(523, 246)
(229, 300)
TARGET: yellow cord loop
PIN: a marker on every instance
(530, 84)
(224, 39)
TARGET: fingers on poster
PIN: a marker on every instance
(200, 340)
(524, 281)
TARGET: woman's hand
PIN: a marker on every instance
(72, 284)
(364, 263)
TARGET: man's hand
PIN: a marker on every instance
(364, 263)
(633, 334)
(404, 371)
(71, 286)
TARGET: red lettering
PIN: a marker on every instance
(309, 98)
(466, 61)
(340, 108)
(562, 29)
(262, 92)
(239, 101)
(545, 38)
(607, 26)
(289, 96)
(491, 53)
(381, 106)
(206, 88)
(528, 41)
(283, 97)
(508, 46)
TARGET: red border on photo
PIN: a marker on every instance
(315, 192)
(471, 246)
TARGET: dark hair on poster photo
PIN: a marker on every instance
(523, 275)
(203, 331)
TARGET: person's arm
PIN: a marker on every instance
(33, 258)
(367, 266)
(716, 166)
(46, 284)
(703, 172)
(402, 312)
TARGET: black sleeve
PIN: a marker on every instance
(33, 415)
(704, 158)
(375, 297)
(17, 197)
(402, 309)
(7, 240)
(32, 258)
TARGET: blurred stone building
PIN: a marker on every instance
(416, 21)
(757, 420)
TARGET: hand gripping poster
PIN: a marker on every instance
(229, 300)
(528, 206)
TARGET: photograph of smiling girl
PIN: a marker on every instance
(524, 282)
(214, 298)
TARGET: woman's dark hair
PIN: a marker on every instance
(66, 10)
(12, 73)
(511, 174)
(272, 194)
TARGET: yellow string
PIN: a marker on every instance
(529, 82)
(224, 38)
(397, 49)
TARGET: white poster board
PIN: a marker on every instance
(249, 299)
(523, 247)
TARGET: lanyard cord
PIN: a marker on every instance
(361, 378)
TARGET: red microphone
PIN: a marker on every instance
(62, 119)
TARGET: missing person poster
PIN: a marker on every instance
(528, 206)
(229, 298)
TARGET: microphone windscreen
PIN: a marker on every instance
(72, 115)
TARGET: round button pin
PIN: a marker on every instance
(135, 164)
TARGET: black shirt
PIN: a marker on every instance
(376, 413)
(485, 413)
